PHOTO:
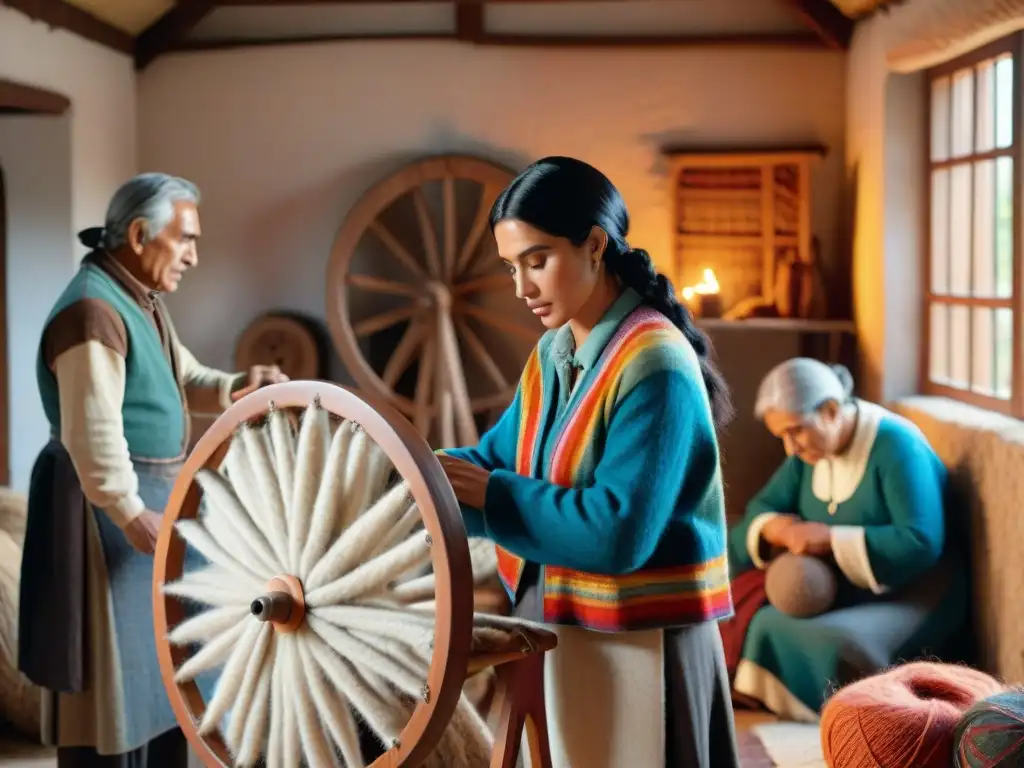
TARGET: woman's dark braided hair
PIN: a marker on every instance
(565, 197)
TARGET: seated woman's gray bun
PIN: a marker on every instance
(801, 385)
(845, 378)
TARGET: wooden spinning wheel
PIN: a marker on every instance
(438, 274)
(337, 589)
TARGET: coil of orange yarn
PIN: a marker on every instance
(904, 717)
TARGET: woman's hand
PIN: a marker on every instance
(468, 480)
(774, 531)
(809, 539)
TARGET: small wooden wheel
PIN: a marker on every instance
(281, 340)
(448, 301)
(337, 589)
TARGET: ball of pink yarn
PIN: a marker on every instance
(904, 717)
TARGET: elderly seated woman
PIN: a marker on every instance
(862, 493)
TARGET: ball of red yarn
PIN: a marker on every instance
(904, 717)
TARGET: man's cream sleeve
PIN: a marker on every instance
(91, 380)
(199, 380)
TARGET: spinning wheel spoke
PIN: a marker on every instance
(396, 249)
(494, 321)
(497, 400)
(477, 348)
(427, 233)
(451, 233)
(424, 384)
(383, 320)
(445, 413)
(488, 194)
(377, 285)
(484, 283)
(404, 353)
(451, 364)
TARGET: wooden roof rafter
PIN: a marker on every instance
(827, 26)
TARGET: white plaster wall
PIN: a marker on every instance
(35, 153)
(885, 163)
(284, 140)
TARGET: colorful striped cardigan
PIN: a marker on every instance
(614, 490)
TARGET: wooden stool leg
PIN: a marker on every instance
(510, 718)
(532, 678)
(521, 704)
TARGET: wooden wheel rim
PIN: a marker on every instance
(492, 178)
(439, 509)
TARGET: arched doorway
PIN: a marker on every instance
(15, 99)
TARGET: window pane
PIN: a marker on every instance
(984, 257)
(1004, 101)
(960, 235)
(959, 346)
(1004, 226)
(985, 104)
(940, 231)
(938, 367)
(940, 119)
(983, 351)
(1004, 352)
(962, 136)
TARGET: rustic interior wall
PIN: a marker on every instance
(283, 142)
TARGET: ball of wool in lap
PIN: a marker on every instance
(905, 717)
(800, 585)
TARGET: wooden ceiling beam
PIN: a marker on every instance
(828, 22)
(516, 40)
(469, 22)
(170, 30)
(237, 3)
(58, 14)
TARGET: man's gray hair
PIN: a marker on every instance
(150, 197)
(801, 386)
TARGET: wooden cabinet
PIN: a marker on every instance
(744, 215)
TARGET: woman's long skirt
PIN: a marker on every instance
(658, 699)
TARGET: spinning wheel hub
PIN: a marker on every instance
(440, 294)
(283, 605)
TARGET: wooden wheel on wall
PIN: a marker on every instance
(416, 257)
(329, 582)
(285, 340)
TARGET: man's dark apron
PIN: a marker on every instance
(54, 632)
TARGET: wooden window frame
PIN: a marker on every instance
(1014, 406)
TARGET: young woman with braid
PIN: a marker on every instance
(601, 485)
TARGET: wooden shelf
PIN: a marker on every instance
(791, 325)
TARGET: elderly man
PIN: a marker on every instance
(116, 386)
